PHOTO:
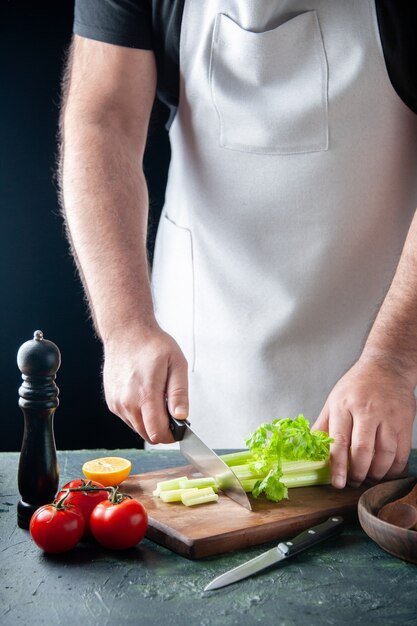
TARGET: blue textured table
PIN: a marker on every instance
(347, 580)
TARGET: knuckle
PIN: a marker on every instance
(386, 450)
(179, 361)
(356, 477)
(401, 461)
(363, 447)
(148, 394)
(341, 440)
(154, 438)
(178, 391)
(158, 437)
(182, 361)
(114, 406)
(397, 468)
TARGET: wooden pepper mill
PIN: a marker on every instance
(38, 360)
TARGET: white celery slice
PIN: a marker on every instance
(200, 500)
(201, 493)
(168, 485)
(175, 494)
(200, 483)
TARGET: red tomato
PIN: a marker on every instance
(119, 526)
(56, 530)
(85, 501)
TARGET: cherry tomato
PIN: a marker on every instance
(119, 526)
(85, 501)
(56, 529)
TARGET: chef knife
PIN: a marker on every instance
(207, 462)
(281, 552)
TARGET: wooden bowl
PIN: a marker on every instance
(400, 542)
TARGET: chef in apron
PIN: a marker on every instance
(291, 189)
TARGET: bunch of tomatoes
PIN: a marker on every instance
(84, 508)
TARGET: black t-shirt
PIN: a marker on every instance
(156, 25)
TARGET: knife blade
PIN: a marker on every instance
(206, 461)
(281, 552)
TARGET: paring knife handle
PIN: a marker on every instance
(333, 526)
(177, 427)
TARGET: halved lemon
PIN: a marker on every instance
(108, 470)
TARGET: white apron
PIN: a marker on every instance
(291, 189)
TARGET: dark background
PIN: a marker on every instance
(38, 283)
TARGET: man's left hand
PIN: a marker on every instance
(369, 413)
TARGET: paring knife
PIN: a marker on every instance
(207, 462)
(282, 551)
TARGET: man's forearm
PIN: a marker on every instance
(393, 337)
(106, 205)
(105, 116)
(107, 100)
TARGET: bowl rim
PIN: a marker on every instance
(399, 487)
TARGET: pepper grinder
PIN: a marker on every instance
(38, 360)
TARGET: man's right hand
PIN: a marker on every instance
(107, 103)
(142, 374)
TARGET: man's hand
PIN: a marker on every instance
(369, 414)
(142, 374)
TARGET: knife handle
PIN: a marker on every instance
(177, 427)
(333, 526)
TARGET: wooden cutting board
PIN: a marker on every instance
(205, 530)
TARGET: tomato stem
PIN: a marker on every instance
(116, 497)
(88, 487)
(60, 504)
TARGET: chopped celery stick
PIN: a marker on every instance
(206, 491)
(201, 500)
(202, 497)
(200, 483)
(168, 485)
(175, 494)
(201, 493)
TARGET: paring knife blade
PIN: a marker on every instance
(207, 462)
(281, 552)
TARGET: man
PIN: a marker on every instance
(291, 191)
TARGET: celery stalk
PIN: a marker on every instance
(307, 479)
(245, 472)
(237, 458)
(280, 455)
(175, 495)
(287, 447)
(289, 467)
(200, 483)
(248, 484)
(168, 485)
(202, 497)
(201, 500)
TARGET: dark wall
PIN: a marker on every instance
(39, 285)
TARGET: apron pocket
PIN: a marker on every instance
(173, 284)
(270, 88)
